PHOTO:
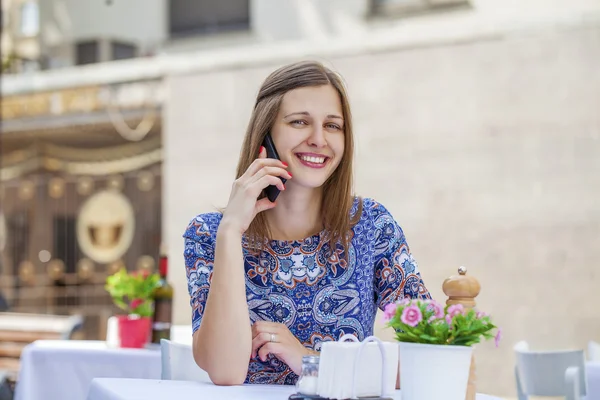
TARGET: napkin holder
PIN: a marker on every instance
(357, 369)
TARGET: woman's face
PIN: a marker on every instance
(309, 134)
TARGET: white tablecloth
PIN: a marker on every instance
(64, 369)
(138, 389)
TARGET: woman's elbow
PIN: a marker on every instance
(220, 373)
(228, 378)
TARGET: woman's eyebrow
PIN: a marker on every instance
(333, 116)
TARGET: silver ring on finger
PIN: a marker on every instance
(273, 337)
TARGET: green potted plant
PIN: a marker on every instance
(436, 345)
(133, 293)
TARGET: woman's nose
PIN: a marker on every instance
(317, 137)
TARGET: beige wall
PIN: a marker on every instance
(486, 152)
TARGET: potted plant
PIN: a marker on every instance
(133, 293)
(436, 344)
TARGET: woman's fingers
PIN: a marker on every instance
(276, 349)
(262, 162)
(274, 171)
(268, 326)
(267, 180)
(258, 341)
(263, 205)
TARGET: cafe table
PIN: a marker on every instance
(64, 369)
(146, 389)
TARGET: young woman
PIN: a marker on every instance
(270, 281)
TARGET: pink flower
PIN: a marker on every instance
(449, 321)
(498, 337)
(411, 316)
(438, 310)
(135, 303)
(455, 309)
(481, 314)
(389, 311)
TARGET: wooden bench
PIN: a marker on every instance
(17, 330)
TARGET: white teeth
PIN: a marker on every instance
(315, 160)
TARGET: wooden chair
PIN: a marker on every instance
(18, 330)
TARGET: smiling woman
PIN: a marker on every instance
(311, 266)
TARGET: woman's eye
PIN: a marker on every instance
(298, 122)
(334, 126)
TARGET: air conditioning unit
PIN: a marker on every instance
(409, 6)
(101, 50)
(447, 2)
(89, 51)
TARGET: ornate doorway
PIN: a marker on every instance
(77, 202)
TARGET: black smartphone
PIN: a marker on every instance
(272, 191)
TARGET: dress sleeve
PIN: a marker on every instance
(199, 254)
(397, 274)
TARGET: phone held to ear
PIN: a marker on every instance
(272, 191)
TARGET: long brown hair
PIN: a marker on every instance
(338, 196)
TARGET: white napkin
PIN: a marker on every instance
(337, 368)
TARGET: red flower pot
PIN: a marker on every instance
(134, 331)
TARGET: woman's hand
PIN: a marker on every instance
(275, 338)
(243, 202)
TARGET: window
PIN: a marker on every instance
(407, 6)
(122, 51)
(30, 19)
(87, 53)
(192, 17)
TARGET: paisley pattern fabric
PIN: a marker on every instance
(315, 292)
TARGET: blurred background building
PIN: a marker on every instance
(477, 125)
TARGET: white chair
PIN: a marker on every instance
(112, 332)
(593, 351)
(592, 370)
(549, 373)
(178, 364)
(182, 334)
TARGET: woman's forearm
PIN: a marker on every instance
(223, 342)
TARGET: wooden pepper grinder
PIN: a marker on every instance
(463, 289)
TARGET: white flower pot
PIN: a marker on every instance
(434, 372)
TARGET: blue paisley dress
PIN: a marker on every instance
(313, 291)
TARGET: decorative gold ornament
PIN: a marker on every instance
(56, 269)
(85, 185)
(56, 188)
(27, 272)
(85, 269)
(105, 226)
(26, 190)
(44, 256)
(115, 182)
(146, 263)
(145, 181)
(114, 267)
